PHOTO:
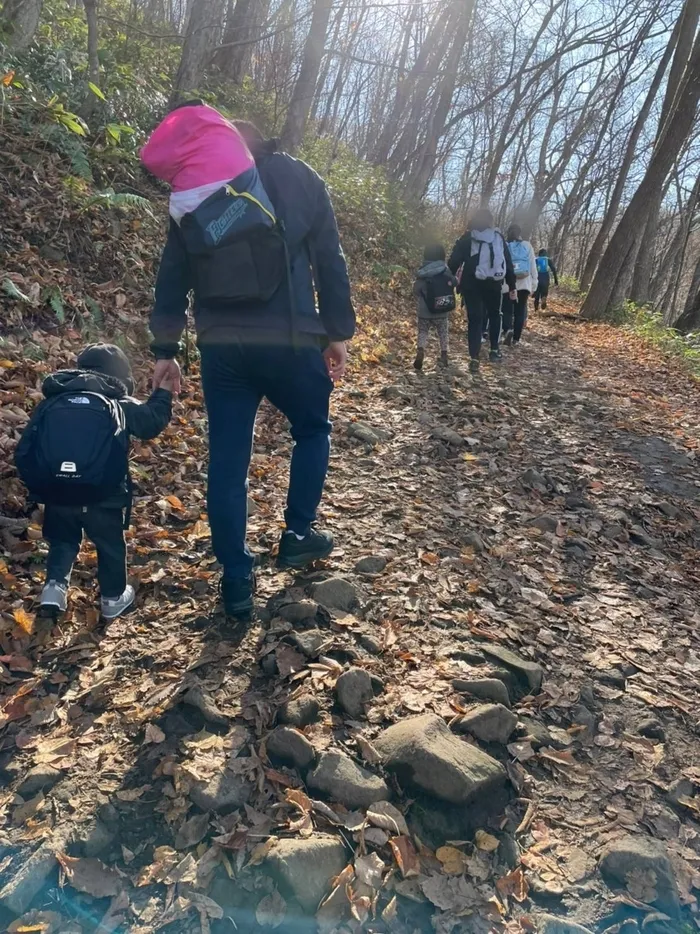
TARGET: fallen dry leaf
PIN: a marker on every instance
(90, 875)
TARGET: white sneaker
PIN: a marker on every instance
(54, 597)
(113, 608)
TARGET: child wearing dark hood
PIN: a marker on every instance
(434, 288)
(74, 457)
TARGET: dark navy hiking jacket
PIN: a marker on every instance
(302, 204)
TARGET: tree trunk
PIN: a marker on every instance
(203, 31)
(689, 19)
(305, 87)
(679, 125)
(689, 320)
(93, 39)
(19, 21)
(630, 152)
(244, 23)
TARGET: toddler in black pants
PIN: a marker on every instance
(74, 457)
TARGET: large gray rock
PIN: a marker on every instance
(30, 876)
(550, 924)
(491, 723)
(372, 564)
(354, 690)
(225, 792)
(305, 868)
(336, 593)
(529, 672)
(310, 641)
(298, 612)
(342, 779)
(425, 755)
(288, 746)
(634, 855)
(490, 689)
(299, 712)
(40, 778)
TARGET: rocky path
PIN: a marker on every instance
(480, 714)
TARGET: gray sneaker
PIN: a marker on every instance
(113, 608)
(54, 597)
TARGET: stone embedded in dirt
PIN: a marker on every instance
(473, 540)
(425, 755)
(652, 729)
(550, 924)
(306, 868)
(309, 641)
(299, 712)
(196, 698)
(298, 612)
(491, 723)
(582, 716)
(40, 778)
(372, 564)
(343, 780)
(225, 792)
(534, 480)
(354, 690)
(500, 444)
(545, 523)
(425, 418)
(485, 689)
(378, 686)
(27, 882)
(530, 672)
(370, 643)
(443, 433)
(253, 508)
(370, 434)
(624, 861)
(336, 593)
(536, 732)
(288, 746)
(96, 838)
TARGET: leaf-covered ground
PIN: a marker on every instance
(557, 517)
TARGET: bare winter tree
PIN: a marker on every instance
(305, 86)
(204, 26)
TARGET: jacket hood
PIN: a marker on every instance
(107, 360)
(488, 235)
(432, 269)
(83, 381)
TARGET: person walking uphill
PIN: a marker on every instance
(545, 266)
(258, 329)
(525, 268)
(487, 265)
(74, 457)
(434, 288)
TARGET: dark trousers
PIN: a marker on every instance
(483, 303)
(542, 291)
(104, 526)
(235, 378)
(515, 313)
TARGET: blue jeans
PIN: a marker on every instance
(235, 377)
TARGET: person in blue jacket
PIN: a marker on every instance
(290, 349)
(545, 266)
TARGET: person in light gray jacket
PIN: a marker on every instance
(434, 289)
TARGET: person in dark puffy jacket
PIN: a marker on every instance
(289, 349)
(101, 369)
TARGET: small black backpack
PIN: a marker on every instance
(440, 297)
(75, 450)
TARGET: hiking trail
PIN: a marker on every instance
(517, 555)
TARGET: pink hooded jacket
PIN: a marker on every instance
(196, 146)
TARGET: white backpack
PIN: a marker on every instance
(490, 246)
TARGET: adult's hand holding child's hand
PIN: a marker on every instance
(166, 375)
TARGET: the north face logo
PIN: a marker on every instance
(80, 400)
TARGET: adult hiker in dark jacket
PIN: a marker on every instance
(486, 263)
(103, 370)
(272, 349)
(545, 266)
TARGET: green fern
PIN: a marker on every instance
(67, 144)
(53, 296)
(95, 311)
(111, 199)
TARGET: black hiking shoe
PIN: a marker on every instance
(418, 362)
(237, 595)
(474, 366)
(495, 356)
(444, 361)
(508, 338)
(297, 553)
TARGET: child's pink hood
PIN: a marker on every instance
(195, 146)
